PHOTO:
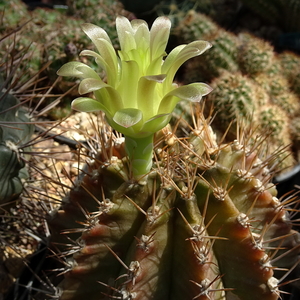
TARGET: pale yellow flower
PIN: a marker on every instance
(139, 94)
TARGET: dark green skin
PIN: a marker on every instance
(15, 131)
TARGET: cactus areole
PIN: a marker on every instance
(139, 94)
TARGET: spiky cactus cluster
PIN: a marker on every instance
(255, 81)
(255, 55)
(224, 53)
(205, 225)
(290, 67)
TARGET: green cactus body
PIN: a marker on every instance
(255, 55)
(290, 66)
(245, 81)
(199, 227)
(278, 88)
(295, 133)
(15, 131)
(242, 101)
(274, 120)
(222, 56)
(288, 101)
(196, 25)
(234, 95)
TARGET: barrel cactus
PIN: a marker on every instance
(158, 214)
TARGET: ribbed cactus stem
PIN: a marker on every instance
(140, 152)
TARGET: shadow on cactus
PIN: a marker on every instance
(159, 215)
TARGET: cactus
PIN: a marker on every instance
(203, 223)
(260, 78)
(255, 55)
(21, 219)
(223, 55)
(15, 131)
(206, 223)
(290, 67)
(199, 220)
(234, 94)
(51, 34)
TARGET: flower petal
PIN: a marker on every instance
(157, 78)
(125, 34)
(175, 59)
(95, 33)
(88, 105)
(159, 36)
(77, 69)
(128, 117)
(155, 124)
(128, 83)
(88, 85)
(141, 34)
(171, 58)
(192, 92)
(105, 94)
(110, 72)
(110, 98)
(147, 102)
(103, 44)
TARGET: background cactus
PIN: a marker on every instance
(255, 77)
(16, 130)
(54, 37)
(21, 112)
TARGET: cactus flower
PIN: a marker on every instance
(138, 95)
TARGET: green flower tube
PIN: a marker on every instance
(139, 94)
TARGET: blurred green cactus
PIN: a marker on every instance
(256, 78)
(16, 128)
(255, 55)
(15, 131)
(290, 68)
(222, 56)
(18, 56)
